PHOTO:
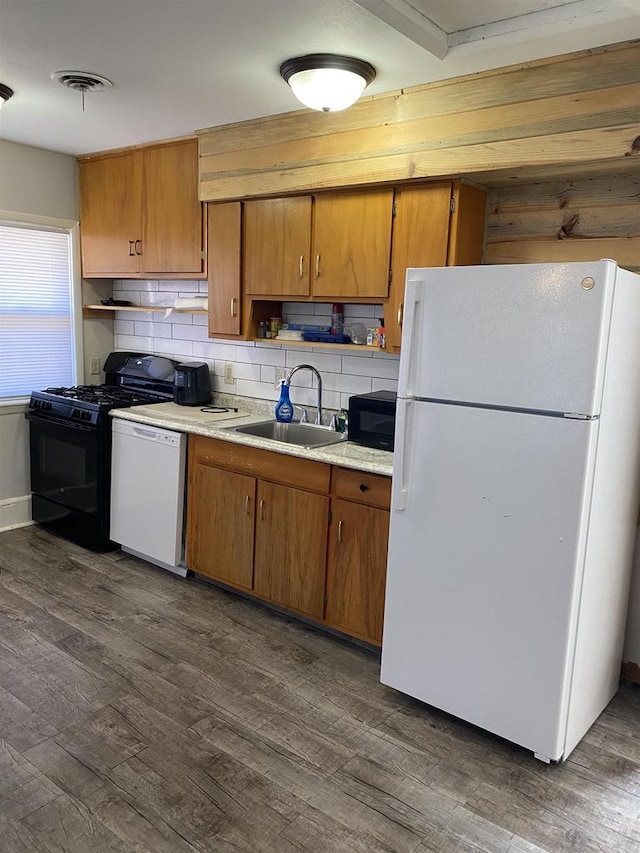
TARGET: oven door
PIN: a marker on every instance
(67, 464)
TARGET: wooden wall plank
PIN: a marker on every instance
(626, 251)
(613, 106)
(524, 175)
(573, 220)
(565, 220)
(572, 147)
(562, 192)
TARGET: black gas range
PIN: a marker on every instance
(70, 444)
(88, 404)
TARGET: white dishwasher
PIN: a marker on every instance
(147, 492)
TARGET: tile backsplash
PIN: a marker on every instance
(184, 337)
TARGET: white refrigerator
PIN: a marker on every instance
(515, 496)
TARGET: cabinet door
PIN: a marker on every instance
(351, 244)
(171, 213)
(357, 569)
(221, 514)
(110, 191)
(420, 239)
(223, 249)
(277, 238)
(291, 548)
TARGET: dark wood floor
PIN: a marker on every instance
(140, 712)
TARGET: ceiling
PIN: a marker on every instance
(183, 65)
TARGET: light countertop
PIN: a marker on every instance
(190, 419)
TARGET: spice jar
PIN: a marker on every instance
(274, 326)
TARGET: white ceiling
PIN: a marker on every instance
(182, 65)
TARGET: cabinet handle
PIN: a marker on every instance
(233, 306)
(301, 267)
(340, 532)
(261, 510)
(317, 266)
(400, 312)
(246, 504)
(132, 249)
(138, 247)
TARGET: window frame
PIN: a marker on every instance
(72, 228)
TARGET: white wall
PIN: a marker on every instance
(184, 337)
(41, 183)
(38, 182)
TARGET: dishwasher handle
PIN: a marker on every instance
(145, 433)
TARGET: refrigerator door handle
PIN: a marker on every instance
(410, 330)
(400, 497)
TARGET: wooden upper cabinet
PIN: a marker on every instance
(140, 214)
(171, 212)
(223, 249)
(351, 244)
(420, 239)
(110, 191)
(277, 243)
(436, 225)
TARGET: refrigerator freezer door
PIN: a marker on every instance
(488, 530)
(530, 336)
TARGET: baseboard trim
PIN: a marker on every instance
(15, 512)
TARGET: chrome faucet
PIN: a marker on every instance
(317, 375)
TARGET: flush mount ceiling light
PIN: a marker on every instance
(327, 82)
(82, 81)
(5, 93)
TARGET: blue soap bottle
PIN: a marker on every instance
(284, 407)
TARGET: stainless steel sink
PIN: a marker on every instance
(302, 435)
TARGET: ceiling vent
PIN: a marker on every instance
(82, 81)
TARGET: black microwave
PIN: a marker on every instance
(372, 419)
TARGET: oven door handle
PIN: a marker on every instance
(51, 419)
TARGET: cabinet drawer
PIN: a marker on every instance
(372, 489)
(264, 464)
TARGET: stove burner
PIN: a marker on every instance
(104, 395)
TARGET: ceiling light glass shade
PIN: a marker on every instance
(326, 82)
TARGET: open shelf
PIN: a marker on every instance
(157, 308)
(317, 345)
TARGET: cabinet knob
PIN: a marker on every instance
(261, 510)
(138, 247)
(247, 504)
(233, 306)
(301, 267)
(400, 312)
(340, 532)
(363, 487)
(317, 266)
(132, 248)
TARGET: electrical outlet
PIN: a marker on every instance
(229, 378)
(94, 368)
(278, 375)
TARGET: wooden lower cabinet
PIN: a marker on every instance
(221, 511)
(291, 546)
(357, 558)
(259, 521)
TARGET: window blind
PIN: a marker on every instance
(36, 326)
